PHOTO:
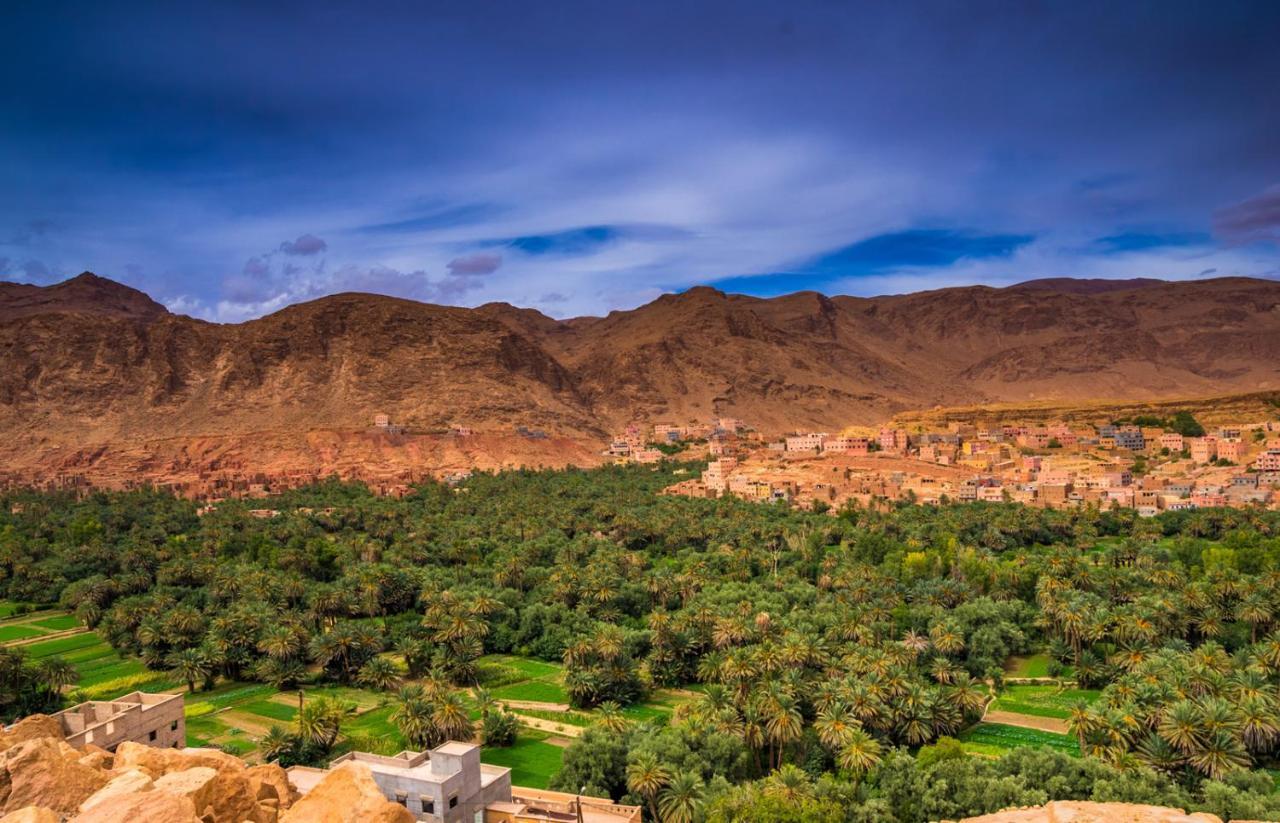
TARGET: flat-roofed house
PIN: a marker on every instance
(1231, 450)
(139, 717)
(804, 442)
(1203, 449)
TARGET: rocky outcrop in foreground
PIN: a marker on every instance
(1064, 811)
(43, 779)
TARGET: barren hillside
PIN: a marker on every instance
(100, 379)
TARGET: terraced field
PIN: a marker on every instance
(234, 716)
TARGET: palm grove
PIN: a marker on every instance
(834, 656)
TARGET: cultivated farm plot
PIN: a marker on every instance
(1031, 666)
(521, 680)
(532, 760)
(1042, 701)
(994, 739)
(16, 627)
(104, 674)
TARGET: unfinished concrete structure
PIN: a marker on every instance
(150, 719)
(449, 784)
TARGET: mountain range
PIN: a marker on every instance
(101, 380)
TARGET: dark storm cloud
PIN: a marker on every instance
(306, 244)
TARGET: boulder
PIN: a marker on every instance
(233, 795)
(30, 728)
(144, 807)
(198, 783)
(271, 777)
(1070, 811)
(125, 782)
(346, 794)
(157, 762)
(38, 773)
(30, 814)
(92, 755)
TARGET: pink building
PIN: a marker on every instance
(893, 440)
(1172, 441)
(716, 477)
(1268, 461)
(1231, 450)
(805, 442)
(1204, 449)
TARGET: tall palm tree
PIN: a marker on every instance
(190, 665)
(835, 725)
(451, 718)
(646, 777)
(681, 800)
(58, 673)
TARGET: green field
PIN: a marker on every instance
(997, 738)
(532, 761)
(1042, 701)
(15, 627)
(18, 632)
(1035, 665)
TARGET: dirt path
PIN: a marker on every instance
(27, 641)
(536, 705)
(251, 723)
(562, 742)
(561, 729)
(1026, 721)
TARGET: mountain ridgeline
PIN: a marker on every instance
(95, 370)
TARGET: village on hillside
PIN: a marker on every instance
(1148, 464)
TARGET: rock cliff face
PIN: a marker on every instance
(100, 379)
(44, 780)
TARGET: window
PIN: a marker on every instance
(173, 727)
(428, 805)
(453, 801)
(402, 798)
(152, 736)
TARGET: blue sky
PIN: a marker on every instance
(233, 158)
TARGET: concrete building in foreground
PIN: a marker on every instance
(449, 784)
(150, 719)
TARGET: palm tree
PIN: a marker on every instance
(412, 716)
(1081, 722)
(835, 726)
(320, 721)
(609, 716)
(788, 783)
(861, 753)
(681, 800)
(275, 743)
(379, 674)
(58, 673)
(1218, 754)
(450, 717)
(646, 777)
(190, 665)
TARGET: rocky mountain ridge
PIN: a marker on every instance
(101, 379)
